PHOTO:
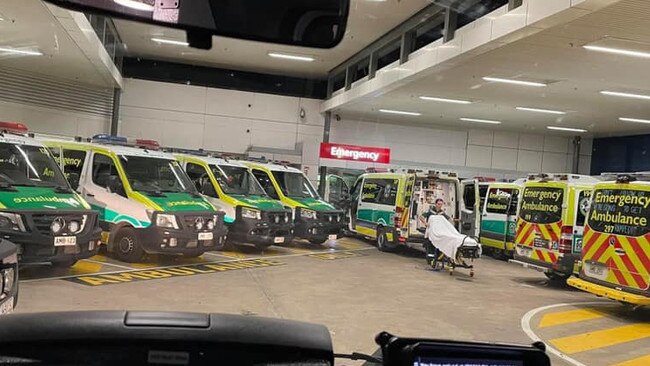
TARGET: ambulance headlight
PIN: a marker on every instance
(8, 277)
(210, 224)
(74, 226)
(57, 225)
(249, 213)
(11, 221)
(167, 221)
(307, 214)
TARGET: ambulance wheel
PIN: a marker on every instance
(319, 240)
(557, 276)
(193, 255)
(262, 247)
(221, 243)
(126, 246)
(383, 243)
(65, 263)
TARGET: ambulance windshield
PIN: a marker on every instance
(295, 184)
(542, 205)
(156, 175)
(237, 180)
(28, 165)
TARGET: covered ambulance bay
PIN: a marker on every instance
(477, 88)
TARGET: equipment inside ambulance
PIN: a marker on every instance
(499, 218)
(39, 211)
(392, 208)
(616, 243)
(551, 222)
(251, 215)
(8, 276)
(314, 219)
(146, 202)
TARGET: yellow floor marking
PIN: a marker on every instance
(99, 258)
(231, 254)
(570, 316)
(83, 267)
(601, 338)
(143, 265)
(641, 361)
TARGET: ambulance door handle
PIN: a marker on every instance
(90, 195)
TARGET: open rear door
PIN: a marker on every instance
(469, 208)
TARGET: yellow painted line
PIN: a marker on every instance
(99, 258)
(231, 254)
(83, 267)
(570, 316)
(143, 265)
(641, 361)
(601, 338)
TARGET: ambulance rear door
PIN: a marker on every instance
(469, 208)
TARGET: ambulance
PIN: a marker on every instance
(39, 212)
(314, 219)
(146, 202)
(499, 218)
(616, 244)
(389, 207)
(551, 222)
(251, 215)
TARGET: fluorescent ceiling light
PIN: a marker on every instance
(637, 120)
(445, 100)
(625, 95)
(393, 111)
(515, 82)
(555, 128)
(291, 57)
(170, 41)
(618, 51)
(480, 121)
(539, 110)
(134, 4)
(16, 51)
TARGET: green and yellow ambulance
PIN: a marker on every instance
(390, 207)
(39, 212)
(250, 214)
(314, 219)
(551, 223)
(146, 202)
(499, 218)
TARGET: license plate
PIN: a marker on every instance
(389, 236)
(278, 239)
(62, 241)
(540, 243)
(7, 306)
(332, 237)
(205, 236)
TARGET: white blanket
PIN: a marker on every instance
(444, 236)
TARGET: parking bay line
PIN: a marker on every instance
(640, 361)
(570, 316)
(106, 263)
(601, 338)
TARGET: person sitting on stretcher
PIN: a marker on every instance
(437, 209)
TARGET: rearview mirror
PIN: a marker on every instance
(314, 23)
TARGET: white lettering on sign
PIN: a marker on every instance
(340, 152)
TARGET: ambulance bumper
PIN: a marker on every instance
(608, 292)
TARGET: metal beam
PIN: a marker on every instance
(514, 4)
(323, 169)
(451, 20)
(575, 166)
(372, 67)
(406, 46)
(350, 75)
(115, 117)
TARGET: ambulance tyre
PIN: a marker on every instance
(318, 240)
(557, 276)
(126, 246)
(65, 263)
(383, 243)
(193, 255)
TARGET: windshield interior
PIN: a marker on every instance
(236, 180)
(295, 184)
(155, 175)
(27, 165)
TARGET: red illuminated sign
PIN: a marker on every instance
(366, 154)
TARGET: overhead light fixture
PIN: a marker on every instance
(637, 120)
(291, 57)
(134, 4)
(618, 51)
(569, 129)
(406, 113)
(480, 121)
(16, 51)
(446, 100)
(625, 95)
(170, 41)
(515, 82)
(539, 110)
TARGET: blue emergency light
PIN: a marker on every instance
(108, 139)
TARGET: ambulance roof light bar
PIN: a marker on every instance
(123, 141)
(15, 128)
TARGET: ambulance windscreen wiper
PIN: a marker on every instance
(7, 187)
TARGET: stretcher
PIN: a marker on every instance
(453, 249)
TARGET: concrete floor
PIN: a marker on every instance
(357, 296)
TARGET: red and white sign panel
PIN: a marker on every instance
(366, 154)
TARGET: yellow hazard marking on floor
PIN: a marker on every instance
(169, 272)
(570, 316)
(601, 338)
(86, 267)
(231, 254)
(334, 255)
(641, 361)
(99, 258)
(349, 245)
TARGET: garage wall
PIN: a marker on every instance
(471, 152)
(223, 120)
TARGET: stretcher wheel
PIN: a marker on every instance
(471, 273)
